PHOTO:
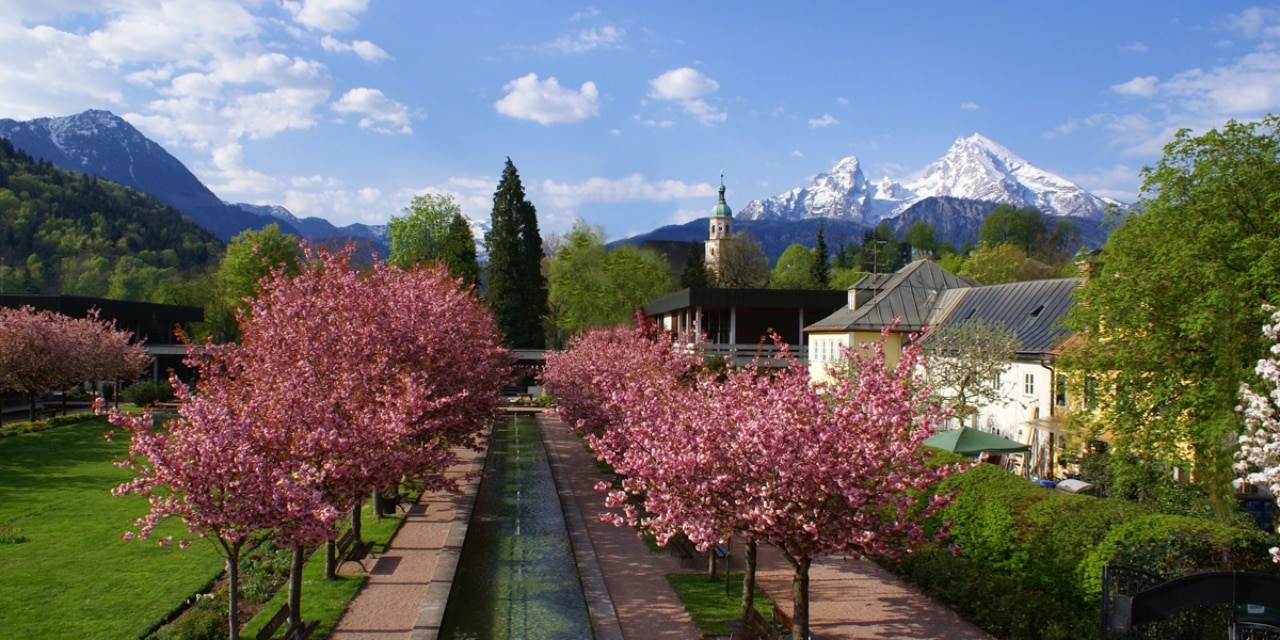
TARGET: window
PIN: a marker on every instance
(1060, 390)
(1029, 384)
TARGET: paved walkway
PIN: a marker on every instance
(851, 598)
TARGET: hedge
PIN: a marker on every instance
(1030, 562)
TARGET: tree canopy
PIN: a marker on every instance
(418, 236)
(516, 288)
(742, 263)
(1169, 319)
(965, 364)
(63, 232)
(592, 286)
(795, 269)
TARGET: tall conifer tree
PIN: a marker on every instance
(517, 289)
(821, 269)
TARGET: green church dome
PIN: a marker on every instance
(721, 210)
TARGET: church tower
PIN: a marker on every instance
(721, 228)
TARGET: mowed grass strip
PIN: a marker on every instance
(70, 575)
(705, 600)
(327, 600)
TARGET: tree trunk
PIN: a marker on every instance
(295, 586)
(711, 562)
(355, 522)
(33, 407)
(377, 505)
(233, 587)
(330, 560)
(748, 577)
(800, 597)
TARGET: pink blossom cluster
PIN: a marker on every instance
(1259, 454)
(345, 381)
(42, 350)
(762, 450)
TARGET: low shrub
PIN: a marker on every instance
(196, 624)
(147, 393)
(1030, 563)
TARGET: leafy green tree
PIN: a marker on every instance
(1023, 228)
(458, 251)
(695, 272)
(591, 286)
(418, 237)
(965, 364)
(794, 269)
(517, 289)
(1000, 263)
(1169, 318)
(880, 252)
(251, 256)
(820, 269)
(920, 237)
(742, 263)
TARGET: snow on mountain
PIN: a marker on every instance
(975, 168)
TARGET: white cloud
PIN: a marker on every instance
(843, 100)
(589, 12)
(797, 154)
(1135, 47)
(687, 86)
(1116, 182)
(682, 84)
(236, 179)
(681, 216)
(1255, 22)
(546, 102)
(607, 37)
(825, 121)
(363, 48)
(380, 113)
(1144, 86)
(326, 15)
(969, 106)
(633, 188)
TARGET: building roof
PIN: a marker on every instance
(721, 210)
(1033, 309)
(746, 298)
(907, 296)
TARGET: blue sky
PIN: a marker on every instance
(623, 115)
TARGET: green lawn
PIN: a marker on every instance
(326, 600)
(705, 600)
(69, 575)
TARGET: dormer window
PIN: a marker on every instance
(1036, 311)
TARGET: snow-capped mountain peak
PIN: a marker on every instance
(974, 168)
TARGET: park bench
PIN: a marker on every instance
(299, 632)
(683, 549)
(781, 618)
(349, 549)
(755, 627)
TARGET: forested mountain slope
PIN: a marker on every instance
(63, 232)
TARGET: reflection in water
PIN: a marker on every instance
(516, 577)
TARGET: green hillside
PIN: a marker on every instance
(63, 232)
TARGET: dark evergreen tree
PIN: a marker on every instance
(695, 272)
(820, 271)
(516, 291)
(458, 251)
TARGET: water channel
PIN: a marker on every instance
(516, 576)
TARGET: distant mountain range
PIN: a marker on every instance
(974, 169)
(953, 194)
(102, 144)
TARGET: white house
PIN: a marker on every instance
(1033, 395)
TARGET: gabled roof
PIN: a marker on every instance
(908, 295)
(1032, 309)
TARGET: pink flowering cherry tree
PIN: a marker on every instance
(345, 382)
(1259, 454)
(763, 452)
